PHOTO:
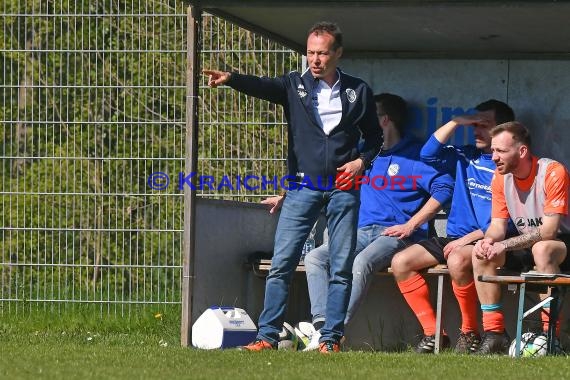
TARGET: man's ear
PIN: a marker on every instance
(523, 151)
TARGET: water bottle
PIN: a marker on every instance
(309, 244)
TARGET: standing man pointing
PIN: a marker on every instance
(328, 113)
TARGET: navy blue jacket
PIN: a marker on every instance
(311, 153)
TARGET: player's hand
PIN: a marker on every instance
(453, 245)
(474, 120)
(478, 251)
(400, 231)
(482, 249)
(495, 250)
(275, 203)
(348, 172)
(216, 77)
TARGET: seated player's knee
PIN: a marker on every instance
(399, 262)
(459, 263)
(313, 259)
(361, 264)
(403, 261)
(547, 254)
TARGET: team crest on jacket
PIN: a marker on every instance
(393, 170)
(301, 91)
(351, 94)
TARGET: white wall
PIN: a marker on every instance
(538, 91)
(227, 232)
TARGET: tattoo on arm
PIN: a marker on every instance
(522, 241)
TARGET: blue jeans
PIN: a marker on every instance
(373, 252)
(300, 211)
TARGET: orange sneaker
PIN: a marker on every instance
(329, 347)
(258, 345)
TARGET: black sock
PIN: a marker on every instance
(318, 325)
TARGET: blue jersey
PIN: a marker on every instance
(473, 171)
(399, 185)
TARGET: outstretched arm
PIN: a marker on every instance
(270, 89)
(217, 78)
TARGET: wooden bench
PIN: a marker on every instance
(555, 283)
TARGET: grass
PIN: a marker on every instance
(80, 345)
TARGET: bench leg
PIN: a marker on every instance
(520, 316)
(438, 313)
(552, 319)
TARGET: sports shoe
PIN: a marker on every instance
(427, 344)
(314, 342)
(467, 343)
(494, 343)
(258, 345)
(328, 347)
(558, 350)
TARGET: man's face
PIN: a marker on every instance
(321, 57)
(481, 131)
(506, 152)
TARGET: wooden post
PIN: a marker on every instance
(194, 23)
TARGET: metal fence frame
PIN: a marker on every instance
(81, 220)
